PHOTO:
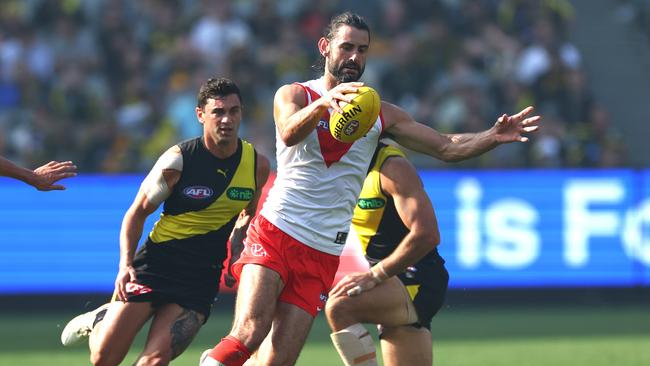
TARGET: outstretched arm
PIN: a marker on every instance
(245, 217)
(456, 147)
(41, 178)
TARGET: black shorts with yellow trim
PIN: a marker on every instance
(165, 274)
(426, 283)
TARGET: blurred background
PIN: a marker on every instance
(111, 83)
(545, 240)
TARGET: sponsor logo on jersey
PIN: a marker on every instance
(240, 194)
(340, 237)
(323, 125)
(198, 192)
(371, 203)
(223, 172)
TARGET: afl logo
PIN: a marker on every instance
(197, 192)
(351, 127)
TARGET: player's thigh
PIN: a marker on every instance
(172, 330)
(112, 337)
(257, 294)
(406, 345)
(287, 337)
(388, 303)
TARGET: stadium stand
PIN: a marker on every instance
(109, 84)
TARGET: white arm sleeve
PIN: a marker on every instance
(154, 185)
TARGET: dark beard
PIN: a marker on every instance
(345, 77)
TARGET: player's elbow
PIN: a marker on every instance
(448, 155)
(289, 139)
(289, 136)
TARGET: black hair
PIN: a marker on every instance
(347, 18)
(215, 88)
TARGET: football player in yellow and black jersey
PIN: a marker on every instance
(210, 187)
(395, 224)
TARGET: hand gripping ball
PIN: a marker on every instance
(358, 116)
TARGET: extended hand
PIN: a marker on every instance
(50, 173)
(511, 128)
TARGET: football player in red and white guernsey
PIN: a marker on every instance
(292, 249)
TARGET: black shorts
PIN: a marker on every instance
(166, 275)
(432, 277)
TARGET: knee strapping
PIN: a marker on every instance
(355, 346)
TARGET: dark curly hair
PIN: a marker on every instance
(215, 88)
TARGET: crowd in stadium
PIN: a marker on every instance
(110, 84)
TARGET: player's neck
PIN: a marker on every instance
(330, 81)
(221, 150)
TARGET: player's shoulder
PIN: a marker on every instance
(291, 90)
(264, 166)
(173, 151)
(398, 176)
(387, 150)
(395, 162)
(263, 163)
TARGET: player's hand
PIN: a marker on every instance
(511, 128)
(340, 93)
(354, 284)
(50, 173)
(125, 275)
(228, 278)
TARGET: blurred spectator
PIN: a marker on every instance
(218, 32)
(107, 82)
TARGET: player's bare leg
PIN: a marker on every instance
(406, 345)
(282, 346)
(172, 330)
(259, 289)
(111, 338)
(388, 303)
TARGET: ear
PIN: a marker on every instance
(199, 114)
(323, 46)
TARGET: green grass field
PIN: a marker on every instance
(593, 335)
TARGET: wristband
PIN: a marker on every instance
(381, 275)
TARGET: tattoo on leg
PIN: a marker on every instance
(183, 330)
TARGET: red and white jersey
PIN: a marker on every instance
(318, 182)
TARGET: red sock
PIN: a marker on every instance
(230, 352)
